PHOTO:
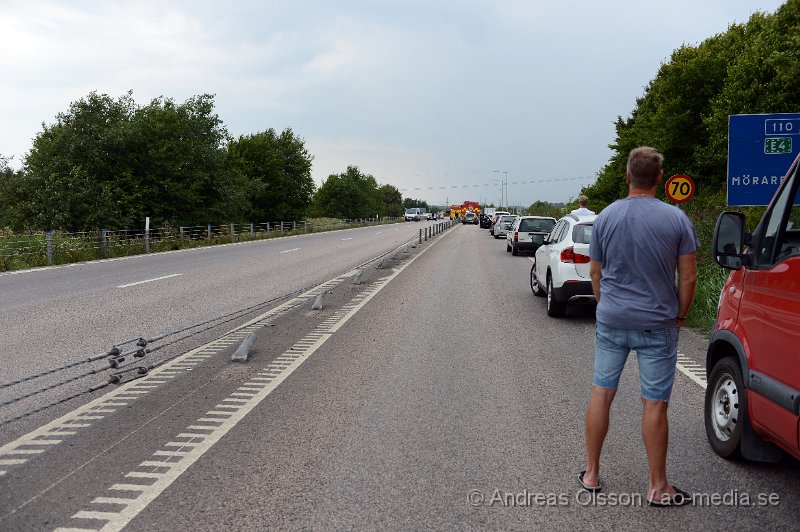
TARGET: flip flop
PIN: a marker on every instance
(679, 499)
(586, 486)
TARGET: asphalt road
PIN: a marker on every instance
(436, 395)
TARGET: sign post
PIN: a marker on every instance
(760, 150)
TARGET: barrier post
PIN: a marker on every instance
(49, 238)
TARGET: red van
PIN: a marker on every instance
(752, 403)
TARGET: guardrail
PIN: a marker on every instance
(58, 247)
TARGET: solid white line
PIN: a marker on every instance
(149, 280)
(290, 250)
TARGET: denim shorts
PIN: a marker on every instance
(656, 353)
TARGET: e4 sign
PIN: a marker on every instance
(680, 188)
(761, 149)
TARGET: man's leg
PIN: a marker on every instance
(657, 353)
(655, 433)
(597, 415)
(610, 354)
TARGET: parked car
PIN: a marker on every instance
(520, 238)
(503, 225)
(414, 214)
(470, 218)
(752, 402)
(497, 215)
(561, 264)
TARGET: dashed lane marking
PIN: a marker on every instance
(203, 435)
(150, 280)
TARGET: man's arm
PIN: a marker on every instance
(687, 278)
(594, 272)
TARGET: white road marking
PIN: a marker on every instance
(290, 250)
(351, 238)
(150, 280)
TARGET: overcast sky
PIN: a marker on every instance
(431, 96)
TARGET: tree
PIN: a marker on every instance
(277, 172)
(72, 169)
(390, 201)
(542, 208)
(109, 163)
(178, 163)
(351, 194)
(409, 203)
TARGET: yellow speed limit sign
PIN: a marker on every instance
(680, 188)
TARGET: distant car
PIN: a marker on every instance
(485, 221)
(503, 225)
(414, 214)
(431, 216)
(495, 218)
(520, 238)
(561, 265)
(470, 218)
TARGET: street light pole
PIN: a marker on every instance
(502, 184)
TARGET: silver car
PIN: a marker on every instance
(503, 225)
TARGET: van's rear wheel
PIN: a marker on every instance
(726, 408)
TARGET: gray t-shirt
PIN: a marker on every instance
(638, 241)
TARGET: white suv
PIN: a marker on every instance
(561, 266)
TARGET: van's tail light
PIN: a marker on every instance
(516, 236)
(569, 255)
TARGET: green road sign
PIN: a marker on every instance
(778, 145)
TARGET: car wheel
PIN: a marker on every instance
(536, 288)
(555, 309)
(508, 248)
(726, 408)
(514, 250)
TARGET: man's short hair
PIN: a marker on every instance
(583, 201)
(644, 166)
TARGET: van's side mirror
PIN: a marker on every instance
(729, 240)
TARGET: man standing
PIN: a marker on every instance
(583, 203)
(638, 243)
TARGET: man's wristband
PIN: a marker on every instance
(681, 318)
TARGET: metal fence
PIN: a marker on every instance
(57, 247)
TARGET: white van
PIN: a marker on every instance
(414, 214)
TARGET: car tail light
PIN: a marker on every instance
(516, 236)
(569, 255)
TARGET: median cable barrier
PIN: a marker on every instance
(127, 364)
